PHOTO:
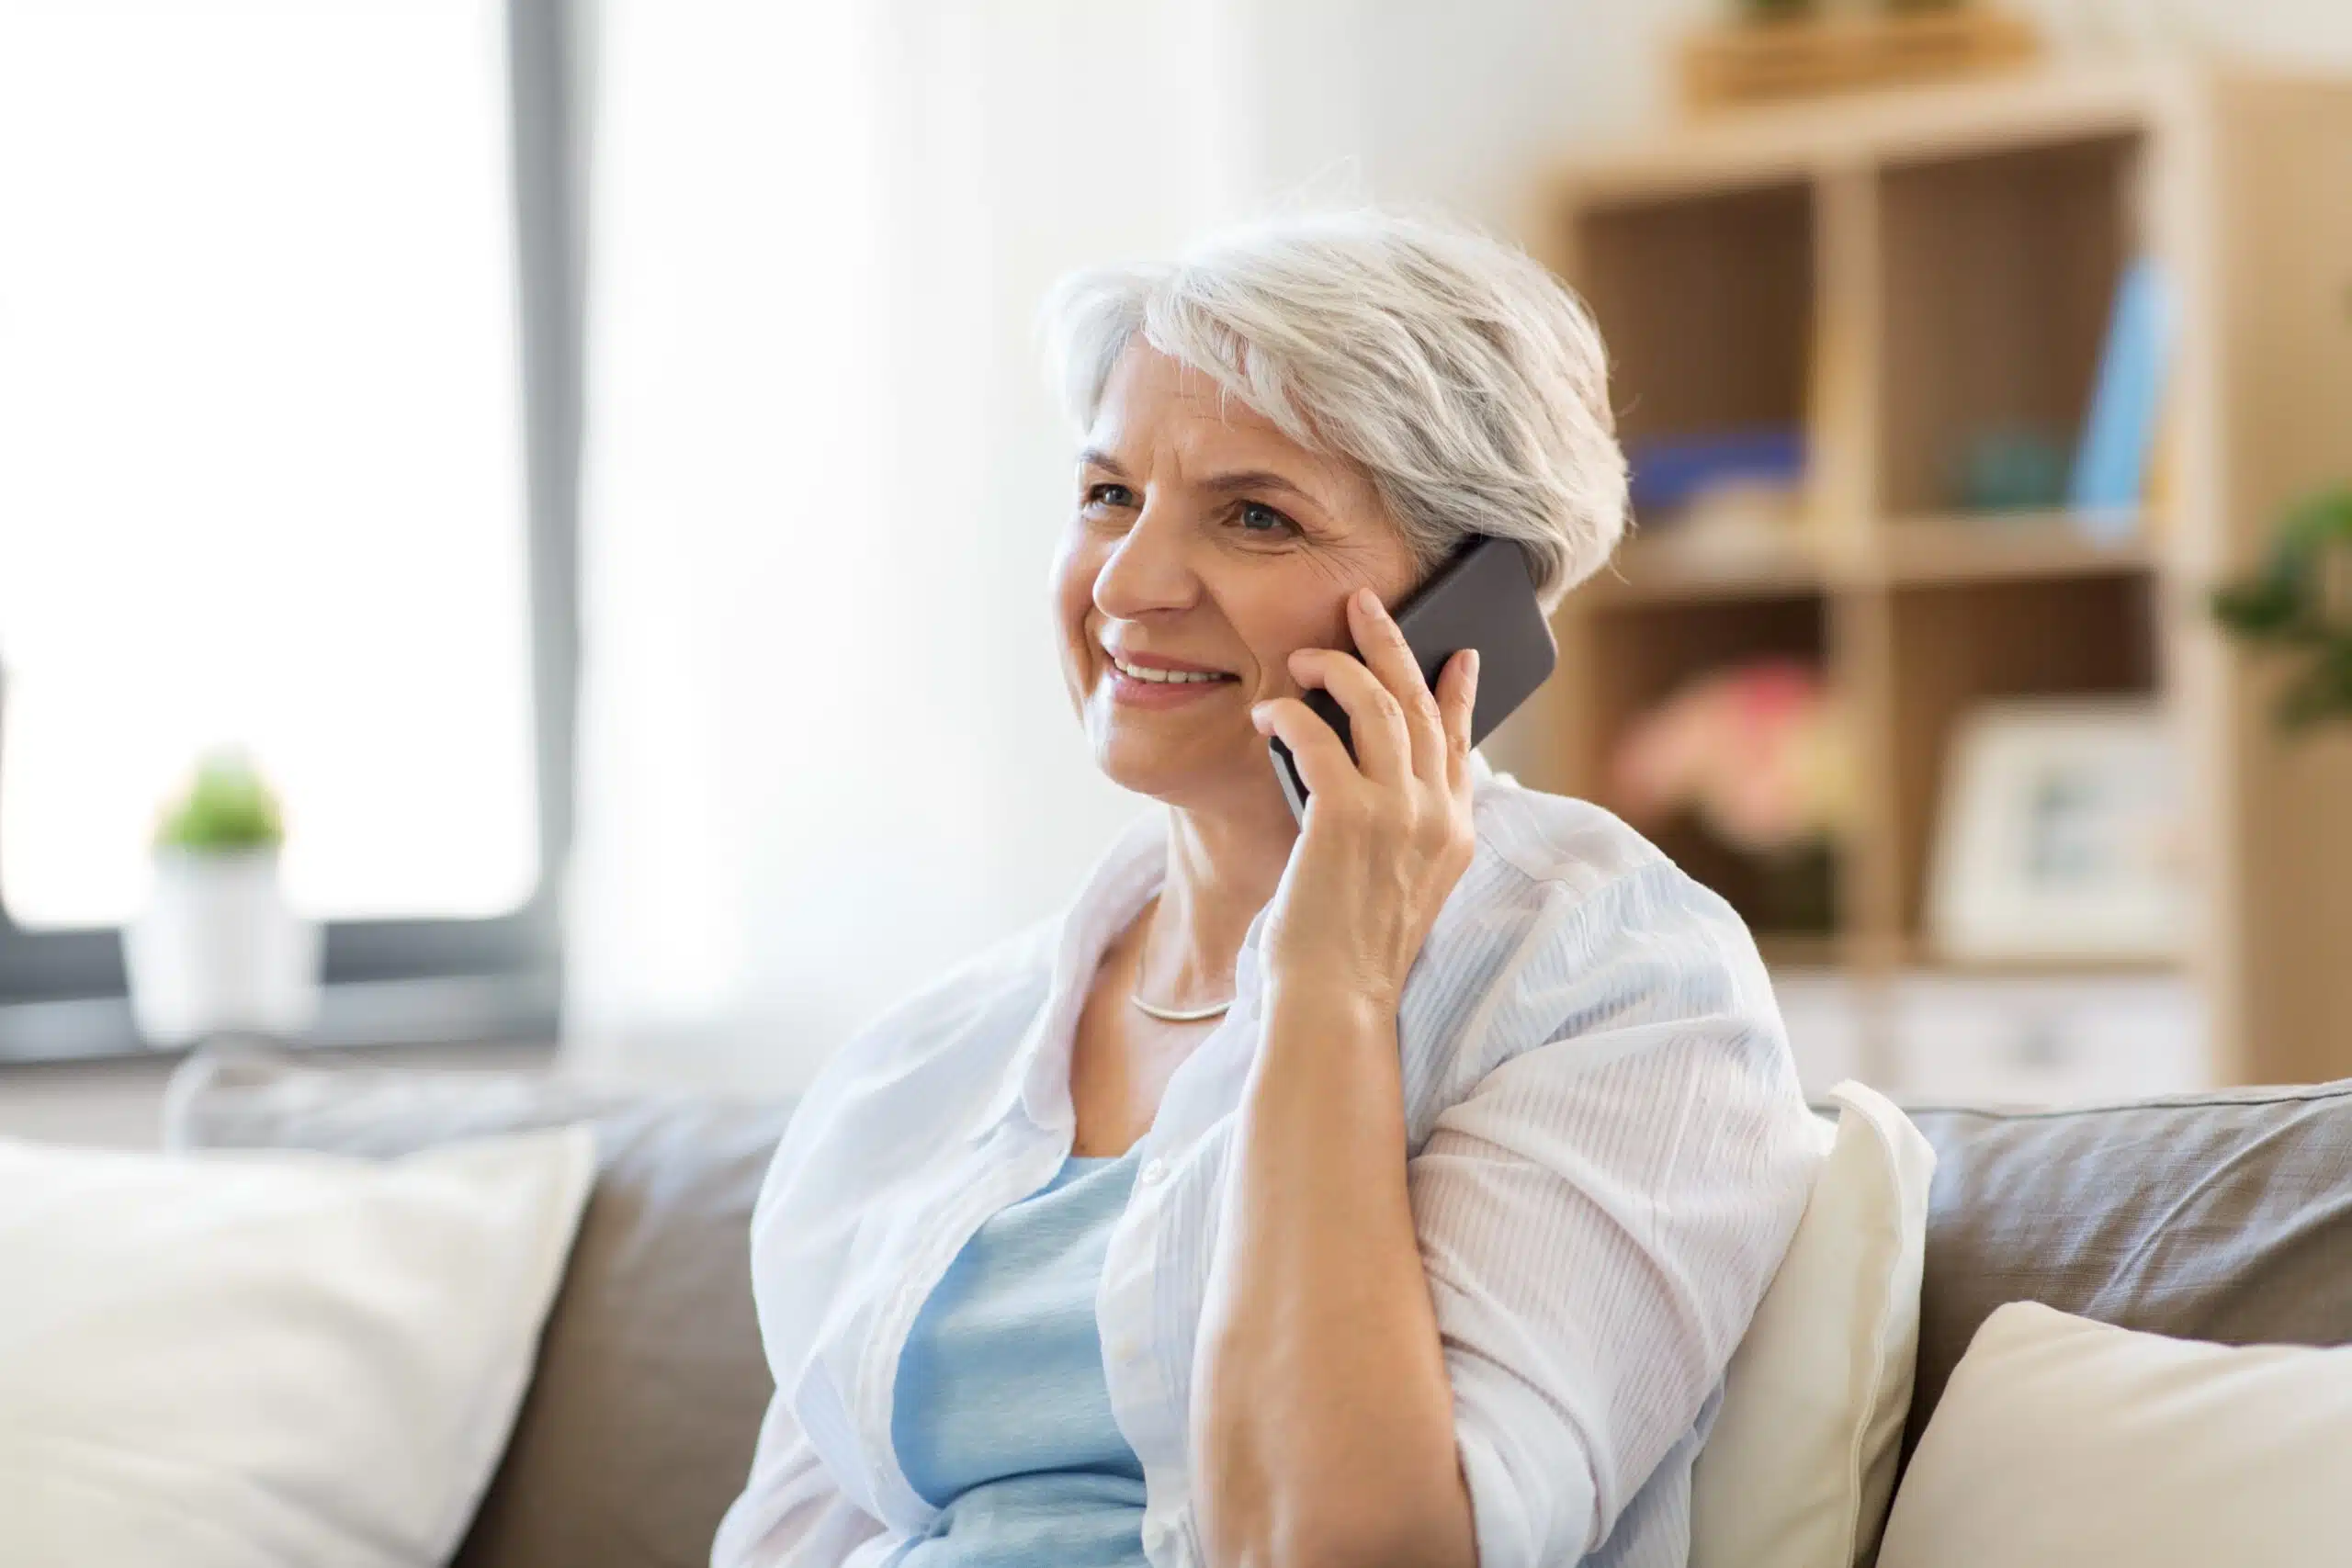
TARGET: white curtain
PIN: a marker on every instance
(825, 749)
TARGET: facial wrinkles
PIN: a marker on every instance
(1270, 599)
(1210, 434)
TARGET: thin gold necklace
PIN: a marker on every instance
(1173, 1015)
(1170, 1015)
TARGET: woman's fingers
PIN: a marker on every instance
(1314, 745)
(1459, 703)
(1402, 729)
(1388, 656)
(1383, 747)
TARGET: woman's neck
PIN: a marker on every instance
(1221, 872)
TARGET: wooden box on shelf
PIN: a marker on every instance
(1892, 274)
(1756, 62)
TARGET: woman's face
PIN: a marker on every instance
(1202, 536)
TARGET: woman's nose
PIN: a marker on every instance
(1149, 569)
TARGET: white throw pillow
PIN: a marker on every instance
(2063, 1441)
(264, 1358)
(1799, 1467)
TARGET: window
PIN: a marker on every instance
(265, 466)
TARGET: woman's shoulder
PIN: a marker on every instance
(1603, 884)
(1577, 926)
(1565, 851)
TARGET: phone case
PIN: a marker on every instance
(1484, 597)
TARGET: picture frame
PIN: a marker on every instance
(2061, 835)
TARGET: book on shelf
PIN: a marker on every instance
(2108, 484)
(1672, 472)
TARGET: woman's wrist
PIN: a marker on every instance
(1315, 1007)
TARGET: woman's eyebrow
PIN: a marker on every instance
(1259, 479)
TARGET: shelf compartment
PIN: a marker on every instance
(1706, 304)
(1650, 651)
(1959, 644)
(1999, 276)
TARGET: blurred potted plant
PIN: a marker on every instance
(217, 948)
(1758, 753)
(2301, 599)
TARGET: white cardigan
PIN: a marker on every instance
(1608, 1152)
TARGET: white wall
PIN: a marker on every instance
(2313, 33)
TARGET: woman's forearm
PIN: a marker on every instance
(1323, 1420)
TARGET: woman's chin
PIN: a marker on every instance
(1166, 768)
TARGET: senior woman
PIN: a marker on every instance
(1392, 1190)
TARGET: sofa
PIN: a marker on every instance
(2224, 1217)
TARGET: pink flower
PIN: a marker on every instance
(1757, 751)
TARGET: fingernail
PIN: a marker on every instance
(1473, 666)
(1367, 600)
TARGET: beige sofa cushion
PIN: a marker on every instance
(225, 1358)
(639, 1422)
(2061, 1442)
(1801, 1462)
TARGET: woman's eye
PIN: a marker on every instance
(1259, 518)
(1109, 495)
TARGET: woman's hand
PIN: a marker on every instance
(1388, 834)
(1323, 1427)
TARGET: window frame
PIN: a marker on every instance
(64, 995)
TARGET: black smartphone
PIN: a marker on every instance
(1482, 597)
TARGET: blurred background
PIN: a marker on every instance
(524, 526)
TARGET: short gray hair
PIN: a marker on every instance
(1463, 377)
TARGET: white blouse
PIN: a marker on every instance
(1608, 1153)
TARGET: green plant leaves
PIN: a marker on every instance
(2289, 602)
(227, 807)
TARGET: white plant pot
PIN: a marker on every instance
(216, 949)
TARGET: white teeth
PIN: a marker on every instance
(1168, 677)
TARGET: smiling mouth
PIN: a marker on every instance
(1170, 677)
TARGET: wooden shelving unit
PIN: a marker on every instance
(1893, 272)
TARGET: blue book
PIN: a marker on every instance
(2109, 478)
(1669, 471)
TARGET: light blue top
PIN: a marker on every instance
(1001, 1418)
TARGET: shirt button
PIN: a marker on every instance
(1153, 1170)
